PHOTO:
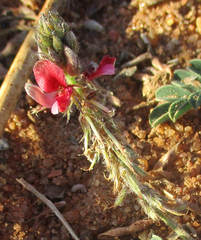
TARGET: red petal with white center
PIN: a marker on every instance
(49, 76)
(44, 99)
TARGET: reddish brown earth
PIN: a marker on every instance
(47, 153)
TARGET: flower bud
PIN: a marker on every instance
(71, 41)
(53, 35)
(73, 64)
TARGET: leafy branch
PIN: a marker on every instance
(183, 94)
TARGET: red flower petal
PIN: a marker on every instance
(55, 108)
(106, 67)
(64, 99)
(49, 76)
(44, 99)
(107, 60)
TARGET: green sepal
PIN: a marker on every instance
(159, 114)
(44, 40)
(178, 108)
(47, 28)
(57, 44)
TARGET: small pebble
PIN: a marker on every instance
(199, 44)
(12, 125)
(114, 35)
(3, 144)
(93, 25)
(198, 24)
(169, 132)
(47, 162)
(78, 173)
(55, 173)
(188, 129)
(193, 38)
(79, 187)
(127, 210)
(179, 127)
(186, 218)
(114, 222)
(186, 197)
(196, 146)
(196, 224)
(97, 183)
(72, 216)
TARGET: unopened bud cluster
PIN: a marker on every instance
(57, 43)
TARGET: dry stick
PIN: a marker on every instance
(26, 185)
(20, 70)
(122, 231)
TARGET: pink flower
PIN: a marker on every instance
(106, 67)
(52, 90)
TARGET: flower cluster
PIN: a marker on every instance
(53, 91)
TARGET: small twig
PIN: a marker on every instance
(122, 231)
(167, 158)
(20, 70)
(138, 60)
(14, 29)
(11, 18)
(144, 104)
(49, 204)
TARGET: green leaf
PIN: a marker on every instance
(159, 114)
(188, 87)
(196, 64)
(178, 83)
(171, 93)
(195, 68)
(181, 74)
(191, 88)
(195, 99)
(178, 108)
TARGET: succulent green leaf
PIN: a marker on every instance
(178, 108)
(178, 83)
(171, 93)
(196, 64)
(195, 99)
(181, 74)
(195, 68)
(159, 114)
(188, 87)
